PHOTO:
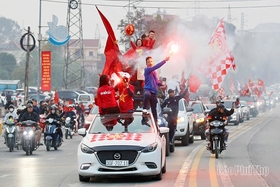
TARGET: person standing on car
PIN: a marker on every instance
(151, 85)
(172, 102)
(106, 96)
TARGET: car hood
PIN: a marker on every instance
(136, 139)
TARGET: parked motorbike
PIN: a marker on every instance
(69, 127)
(216, 137)
(28, 136)
(51, 137)
(11, 135)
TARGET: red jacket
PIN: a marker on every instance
(106, 97)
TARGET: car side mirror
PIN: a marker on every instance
(166, 111)
(82, 132)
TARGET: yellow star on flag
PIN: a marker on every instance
(122, 97)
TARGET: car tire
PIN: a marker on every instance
(163, 170)
(186, 138)
(84, 179)
(191, 140)
(167, 144)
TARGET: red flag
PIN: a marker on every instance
(221, 59)
(260, 82)
(232, 87)
(251, 84)
(56, 98)
(194, 82)
(111, 51)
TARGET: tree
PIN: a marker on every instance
(9, 30)
(7, 63)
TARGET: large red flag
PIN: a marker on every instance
(111, 51)
(221, 59)
(194, 82)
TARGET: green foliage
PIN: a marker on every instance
(7, 63)
(9, 30)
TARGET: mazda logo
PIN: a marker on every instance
(117, 156)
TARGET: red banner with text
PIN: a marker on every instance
(46, 71)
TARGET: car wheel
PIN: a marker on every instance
(172, 147)
(84, 179)
(191, 140)
(159, 176)
(167, 144)
(186, 138)
(163, 170)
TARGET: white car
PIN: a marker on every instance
(120, 145)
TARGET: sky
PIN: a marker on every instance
(26, 13)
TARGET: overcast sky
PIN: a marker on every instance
(26, 12)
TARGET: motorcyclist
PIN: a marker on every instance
(172, 102)
(220, 115)
(69, 113)
(53, 114)
(25, 109)
(10, 115)
(80, 111)
(30, 114)
(227, 112)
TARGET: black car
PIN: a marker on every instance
(199, 123)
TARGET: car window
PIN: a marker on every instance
(84, 98)
(197, 108)
(119, 123)
(228, 104)
(248, 99)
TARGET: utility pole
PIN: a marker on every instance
(26, 79)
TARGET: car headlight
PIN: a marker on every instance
(199, 120)
(252, 106)
(180, 119)
(86, 149)
(150, 148)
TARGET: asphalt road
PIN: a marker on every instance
(251, 159)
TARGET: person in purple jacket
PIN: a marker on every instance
(151, 85)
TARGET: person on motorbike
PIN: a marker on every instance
(220, 115)
(30, 114)
(25, 109)
(172, 102)
(53, 114)
(11, 114)
(80, 111)
(227, 112)
(69, 113)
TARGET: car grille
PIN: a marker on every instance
(129, 155)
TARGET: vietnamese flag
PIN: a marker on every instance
(251, 84)
(194, 83)
(260, 82)
(56, 98)
(111, 51)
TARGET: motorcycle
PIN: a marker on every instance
(28, 136)
(11, 135)
(51, 137)
(69, 126)
(216, 137)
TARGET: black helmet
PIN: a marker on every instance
(29, 102)
(29, 105)
(221, 106)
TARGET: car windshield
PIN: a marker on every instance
(248, 99)
(228, 104)
(211, 106)
(122, 122)
(197, 108)
(243, 103)
(84, 98)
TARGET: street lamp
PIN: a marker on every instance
(39, 51)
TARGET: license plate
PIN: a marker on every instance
(116, 162)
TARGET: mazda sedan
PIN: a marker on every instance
(122, 144)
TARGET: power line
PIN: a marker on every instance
(175, 7)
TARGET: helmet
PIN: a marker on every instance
(221, 106)
(29, 105)
(29, 102)
(12, 106)
(219, 102)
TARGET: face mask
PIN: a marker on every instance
(53, 111)
(11, 109)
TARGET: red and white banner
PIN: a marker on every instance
(221, 59)
(46, 70)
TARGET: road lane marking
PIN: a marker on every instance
(181, 178)
(3, 176)
(193, 172)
